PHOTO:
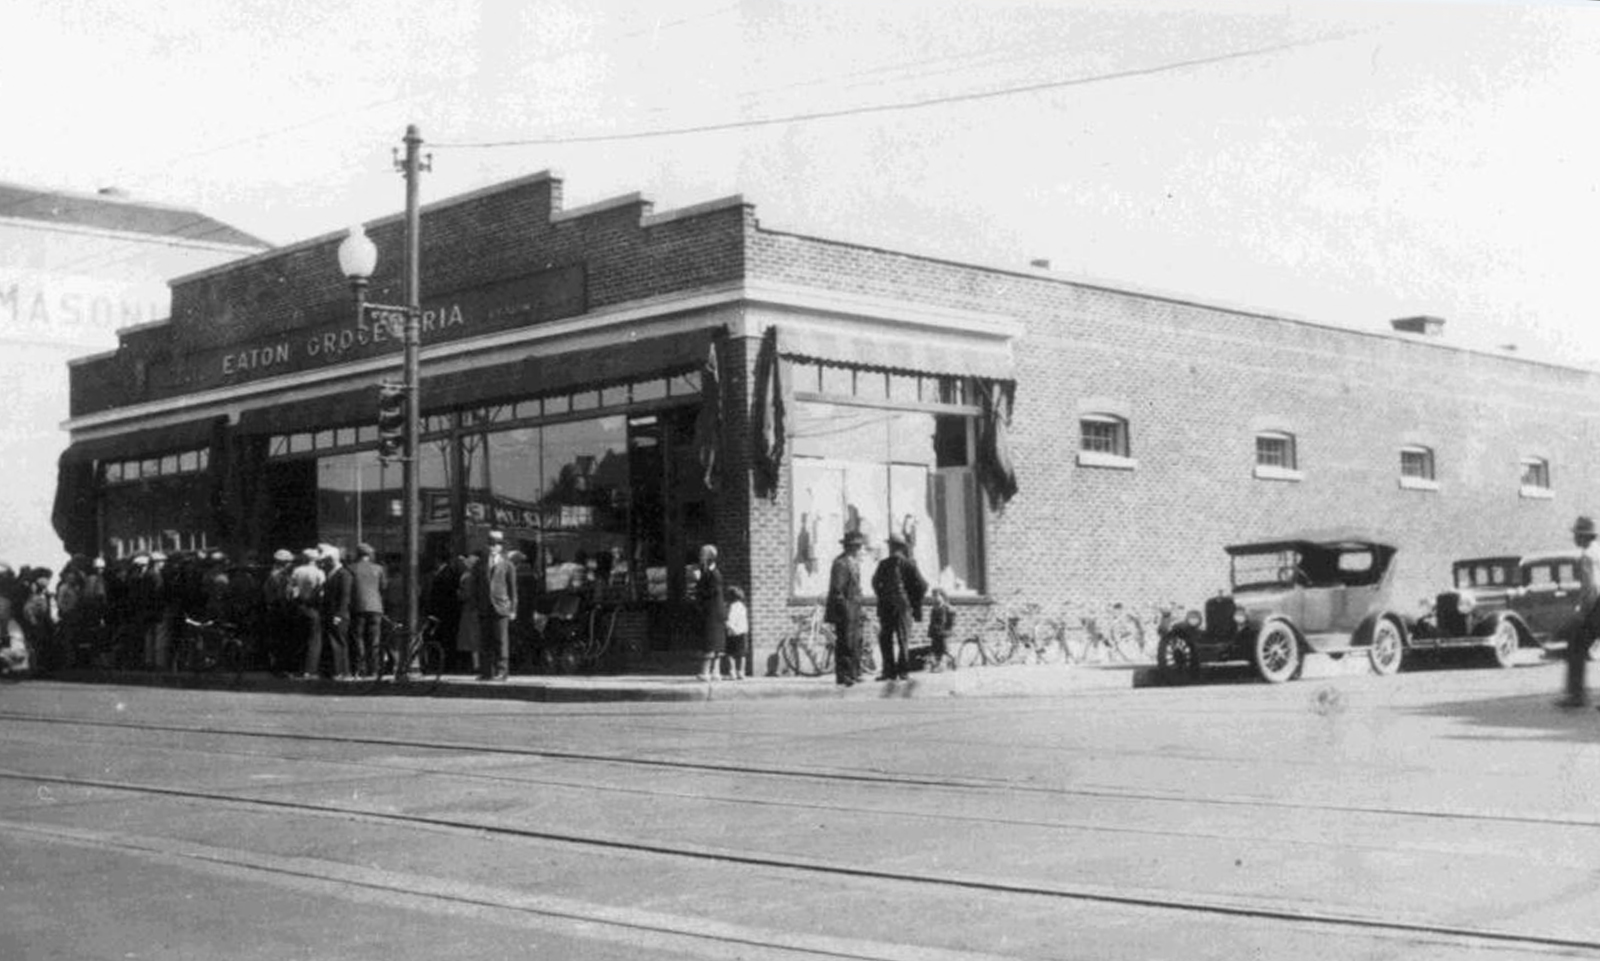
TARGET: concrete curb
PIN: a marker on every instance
(1002, 681)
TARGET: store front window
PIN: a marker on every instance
(359, 500)
(878, 471)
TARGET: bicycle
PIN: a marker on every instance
(573, 638)
(1009, 628)
(808, 650)
(209, 646)
(421, 653)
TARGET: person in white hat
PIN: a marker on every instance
(305, 586)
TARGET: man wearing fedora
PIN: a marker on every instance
(900, 588)
(843, 609)
(1583, 630)
(497, 604)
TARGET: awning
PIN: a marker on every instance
(628, 359)
(595, 367)
(189, 435)
(985, 359)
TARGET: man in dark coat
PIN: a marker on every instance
(843, 609)
(900, 588)
(369, 582)
(336, 596)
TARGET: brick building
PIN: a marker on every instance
(612, 386)
(73, 269)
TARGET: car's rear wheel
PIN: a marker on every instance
(1388, 649)
(1505, 642)
(1277, 653)
(1177, 660)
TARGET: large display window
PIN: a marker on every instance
(359, 499)
(875, 471)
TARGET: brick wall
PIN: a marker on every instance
(1196, 384)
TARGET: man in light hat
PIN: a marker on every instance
(277, 611)
(497, 605)
(305, 586)
(1582, 632)
(843, 609)
(900, 588)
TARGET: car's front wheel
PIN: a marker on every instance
(1277, 653)
(1388, 649)
(1176, 659)
(1504, 642)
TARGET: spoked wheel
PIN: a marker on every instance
(430, 660)
(1387, 647)
(970, 653)
(1277, 653)
(1506, 642)
(1177, 660)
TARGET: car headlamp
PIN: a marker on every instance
(1193, 619)
(1465, 602)
(1240, 618)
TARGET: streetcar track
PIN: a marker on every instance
(837, 774)
(850, 811)
(1155, 900)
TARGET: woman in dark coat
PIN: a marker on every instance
(708, 591)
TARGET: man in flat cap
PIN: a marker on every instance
(305, 585)
(369, 583)
(1583, 629)
(843, 609)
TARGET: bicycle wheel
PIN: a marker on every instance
(230, 658)
(970, 653)
(998, 640)
(1049, 643)
(810, 653)
(430, 659)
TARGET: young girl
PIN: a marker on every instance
(738, 632)
(941, 621)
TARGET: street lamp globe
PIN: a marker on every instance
(358, 255)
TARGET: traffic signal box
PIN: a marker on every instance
(391, 421)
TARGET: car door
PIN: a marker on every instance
(1550, 591)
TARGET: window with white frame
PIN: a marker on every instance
(1276, 456)
(1103, 441)
(1416, 468)
(1536, 477)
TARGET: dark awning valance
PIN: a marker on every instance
(189, 435)
(988, 359)
(628, 359)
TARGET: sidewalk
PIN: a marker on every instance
(1002, 681)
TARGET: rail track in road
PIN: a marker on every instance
(1250, 908)
(828, 774)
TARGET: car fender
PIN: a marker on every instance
(1488, 625)
(1362, 636)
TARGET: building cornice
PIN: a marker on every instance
(650, 316)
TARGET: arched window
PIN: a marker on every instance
(1416, 468)
(1103, 434)
(1535, 477)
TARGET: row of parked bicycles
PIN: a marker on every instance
(1011, 631)
(572, 638)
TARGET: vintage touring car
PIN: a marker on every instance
(1320, 592)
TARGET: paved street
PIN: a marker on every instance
(1437, 814)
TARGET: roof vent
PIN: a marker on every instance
(1425, 326)
(1043, 263)
(115, 193)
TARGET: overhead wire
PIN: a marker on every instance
(967, 97)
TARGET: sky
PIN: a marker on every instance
(1346, 162)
